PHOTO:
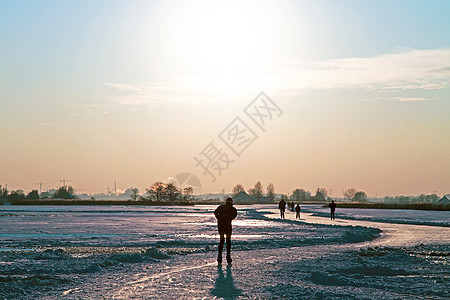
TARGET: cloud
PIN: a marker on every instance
(405, 99)
(410, 69)
(123, 86)
(186, 89)
(427, 86)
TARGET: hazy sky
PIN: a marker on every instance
(135, 91)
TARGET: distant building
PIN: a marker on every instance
(243, 198)
(266, 199)
(211, 196)
(444, 200)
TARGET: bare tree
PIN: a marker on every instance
(71, 190)
(65, 192)
(188, 192)
(257, 191)
(134, 193)
(299, 195)
(237, 189)
(167, 192)
(360, 197)
(172, 192)
(156, 191)
(308, 195)
(3, 192)
(284, 196)
(350, 193)
(33, 195)
(433, 198)
(271, 191)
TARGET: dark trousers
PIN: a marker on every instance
(332, 215)
(222, 241)
(297, 215)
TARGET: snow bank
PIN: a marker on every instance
(382, 220)
(324, 278)
(374, 271)
(361, 234)
(155, 253)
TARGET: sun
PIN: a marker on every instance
(222, 37)
(225, 37)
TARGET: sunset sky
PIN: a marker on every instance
(135, 91)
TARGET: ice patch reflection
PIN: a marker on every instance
(234, 236)
(253, 223)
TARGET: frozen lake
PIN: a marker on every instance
(48, 251)
(191, 228)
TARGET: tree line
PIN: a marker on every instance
(321, 195)
(64, 192)
(355, 196)
(298, 194)
(168, 192)
(157, 192)
(432, 198)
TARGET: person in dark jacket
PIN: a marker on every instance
(297, 211)
(332, 207)
(282, 207)
(225, 213)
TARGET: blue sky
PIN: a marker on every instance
(118, 86)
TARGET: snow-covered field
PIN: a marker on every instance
(118, 252)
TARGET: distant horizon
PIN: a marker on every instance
(122, 191)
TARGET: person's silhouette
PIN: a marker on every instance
(332, 207)
(282, 207)
(297, 211)
(225, 213)
(224, 285)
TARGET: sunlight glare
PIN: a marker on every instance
(223, 37)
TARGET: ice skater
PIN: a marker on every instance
(332, 207)
(297, 211)
(225, 213)
(282, 207)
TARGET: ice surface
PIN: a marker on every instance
(397, 216)
(169, 252)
